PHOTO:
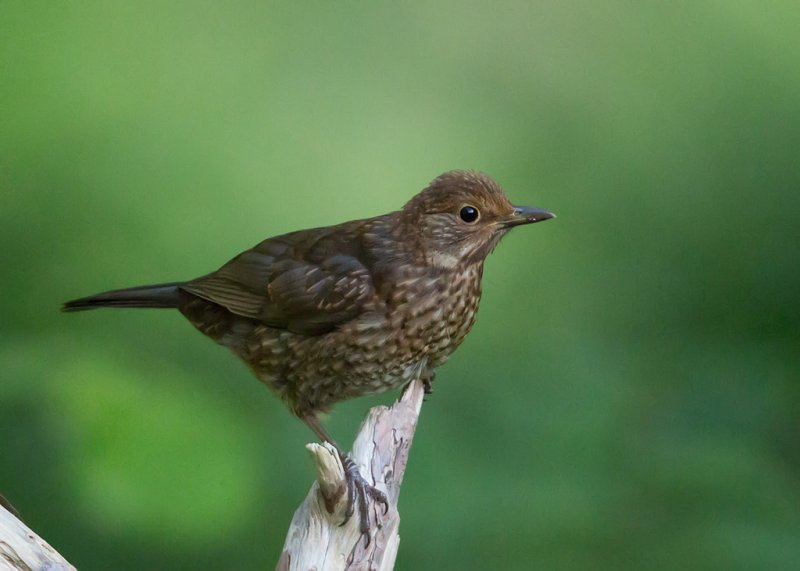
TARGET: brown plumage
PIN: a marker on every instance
(328, 314)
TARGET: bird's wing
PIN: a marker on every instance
(279, 286)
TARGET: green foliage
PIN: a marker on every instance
(630, 391)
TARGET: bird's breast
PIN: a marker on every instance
(430, 313)
(416, 322)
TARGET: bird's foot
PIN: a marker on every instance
(358, 493)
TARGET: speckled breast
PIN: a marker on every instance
(422, 320)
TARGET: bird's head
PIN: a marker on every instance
(462, 215)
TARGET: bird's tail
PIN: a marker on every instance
(158, 295)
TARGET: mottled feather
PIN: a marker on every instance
(289, 287)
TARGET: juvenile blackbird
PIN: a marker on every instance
(328, 314)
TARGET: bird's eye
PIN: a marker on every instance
(469, 214)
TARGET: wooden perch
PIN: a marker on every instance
(317, 540)
(22, 549)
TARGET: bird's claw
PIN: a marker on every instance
(358, 493)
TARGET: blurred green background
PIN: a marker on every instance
(630, 395)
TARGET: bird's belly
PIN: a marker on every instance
(375, 352)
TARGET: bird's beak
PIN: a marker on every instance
(525, 215)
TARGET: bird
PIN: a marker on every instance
(327, 314)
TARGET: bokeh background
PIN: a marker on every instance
(630, 395)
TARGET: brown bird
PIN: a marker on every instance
(328, 314)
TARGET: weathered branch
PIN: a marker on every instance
(22, 549)
(317, 539)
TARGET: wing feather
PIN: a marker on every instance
(279, 286)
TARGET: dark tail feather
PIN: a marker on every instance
(158, 295)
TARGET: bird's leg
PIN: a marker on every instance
(427, 381)
(426, 377)
(358, 489)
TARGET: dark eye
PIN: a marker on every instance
(469, 214)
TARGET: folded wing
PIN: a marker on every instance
(282, 285)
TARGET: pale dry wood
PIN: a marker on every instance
(22, 549)
(316, 538)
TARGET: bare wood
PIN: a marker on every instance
(21, 548)
(316, 538)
